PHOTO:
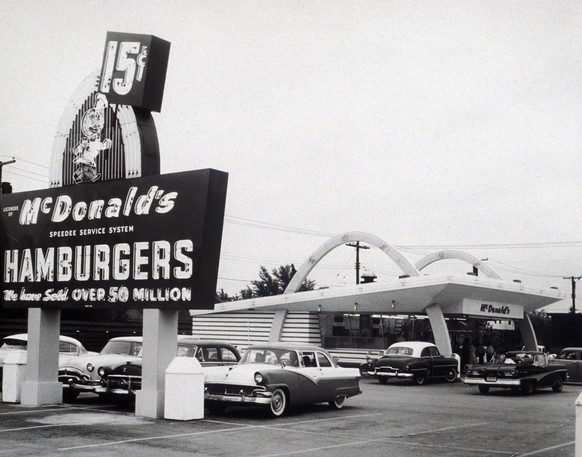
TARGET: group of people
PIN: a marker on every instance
(474, 352)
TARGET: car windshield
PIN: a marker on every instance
(11, 343)
(272, 356)
(517, 357)
(122, 347)
(399, 350)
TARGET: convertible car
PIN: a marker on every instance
(415, 360)
(122, 381)
(523, 370)
(80, 374)
(277, 376)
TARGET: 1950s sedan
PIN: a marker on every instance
(415, 360)
(277, 376)
(80, 374)
(523, 370)
(121, 382)
(572, 358)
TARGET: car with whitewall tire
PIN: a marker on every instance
(278, 376)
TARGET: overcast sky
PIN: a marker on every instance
(429, 124)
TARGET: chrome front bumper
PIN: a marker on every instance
(261, 398)
(497, 383)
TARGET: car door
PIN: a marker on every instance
(576, 375)
(227, 356)
(310, 376)
(441, 365)
(571, 359)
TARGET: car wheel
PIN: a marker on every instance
(419, 379)
(383, 380)
(278, 403)
(452, 377)
(528, 388)
(338, 403)
(558, 384)
(70, 395)
(215, 407)
(484, 389)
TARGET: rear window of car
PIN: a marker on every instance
(399, 350)
(227, 355)
(323, 360)
(67, 347)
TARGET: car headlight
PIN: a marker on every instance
(259, 378)
(101, 371)
(90, 367)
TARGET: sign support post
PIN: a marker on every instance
(160, 343)
(41, 386)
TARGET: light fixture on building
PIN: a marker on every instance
(319, 308)
(356, 306)
(393, 305)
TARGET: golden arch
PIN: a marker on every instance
(458, 255)
(402, 262)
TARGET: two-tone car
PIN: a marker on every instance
(81, 374)
(413, 360)
(518, 370)
(276, 376)
(121, 382)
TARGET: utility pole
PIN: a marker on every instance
(1, 165)
(358, 247)
(573, 279)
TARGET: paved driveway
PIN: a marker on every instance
(399, 419)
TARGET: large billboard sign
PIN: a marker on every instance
(149, 242)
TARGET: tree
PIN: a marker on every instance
(272, 282)
(275, 282)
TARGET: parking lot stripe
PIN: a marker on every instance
(452, 427)
(150, 438)
(551, 448)
(30, 411)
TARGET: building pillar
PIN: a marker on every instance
(160, 343)
(41, 385)
(527, 333)
(277, 326)
(439, 329)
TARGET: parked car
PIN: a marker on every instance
(572, 359)
(277, 376)
(68, 347)
(415, 360)
(122, 381)
(523, 370)
(81, 374)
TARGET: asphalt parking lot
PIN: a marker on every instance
(398, 419)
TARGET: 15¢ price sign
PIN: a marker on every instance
(134, 70)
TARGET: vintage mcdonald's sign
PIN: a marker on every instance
(111, 231)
